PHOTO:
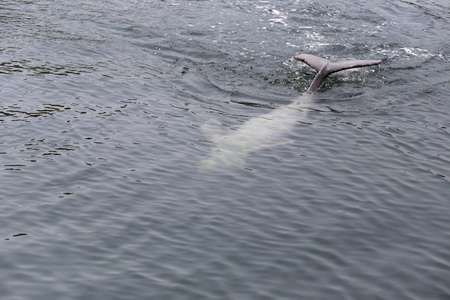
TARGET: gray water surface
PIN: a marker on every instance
(101, 109)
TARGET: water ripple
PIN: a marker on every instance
(102, 105)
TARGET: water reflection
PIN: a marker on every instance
(35, 68)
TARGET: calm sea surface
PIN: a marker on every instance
(102, 193)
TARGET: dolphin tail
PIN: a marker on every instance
(325, 67)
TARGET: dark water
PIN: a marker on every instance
(101, 108)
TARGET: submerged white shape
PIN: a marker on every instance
(265, 131)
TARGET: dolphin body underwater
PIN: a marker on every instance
(264, 131)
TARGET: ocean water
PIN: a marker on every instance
(102, 193)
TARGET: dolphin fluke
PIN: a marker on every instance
(325, 67)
